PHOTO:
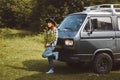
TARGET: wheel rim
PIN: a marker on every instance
(103, 65)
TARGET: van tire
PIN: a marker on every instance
(102, 63)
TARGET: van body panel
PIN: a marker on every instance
(117, 52)
(97, 40)
(66, 34)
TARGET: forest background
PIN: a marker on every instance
(31, 14)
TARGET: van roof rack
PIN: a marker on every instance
(114, 8)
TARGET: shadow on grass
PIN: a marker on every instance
(42, 66)
(32, 65)
(60, 68)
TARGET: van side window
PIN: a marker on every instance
(101, 23)
(119, 23)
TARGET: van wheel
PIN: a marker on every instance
(102, 63)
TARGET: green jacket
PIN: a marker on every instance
(51, 36)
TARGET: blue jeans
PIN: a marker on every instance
(49, 53)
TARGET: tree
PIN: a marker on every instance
(15, 13)
(31, 14)
(56, 9)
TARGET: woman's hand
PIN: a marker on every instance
(47, 44)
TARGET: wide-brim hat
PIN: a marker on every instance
(50, 20)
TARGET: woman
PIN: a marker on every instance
(50, 44)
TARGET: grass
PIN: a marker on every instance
(20, 59)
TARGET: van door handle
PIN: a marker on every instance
(113, 37)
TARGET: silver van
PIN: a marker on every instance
(91, 36)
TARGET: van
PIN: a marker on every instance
(91, 36)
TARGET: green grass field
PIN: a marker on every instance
(20, 59)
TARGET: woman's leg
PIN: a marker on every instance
(48, 52)
(51, 65)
